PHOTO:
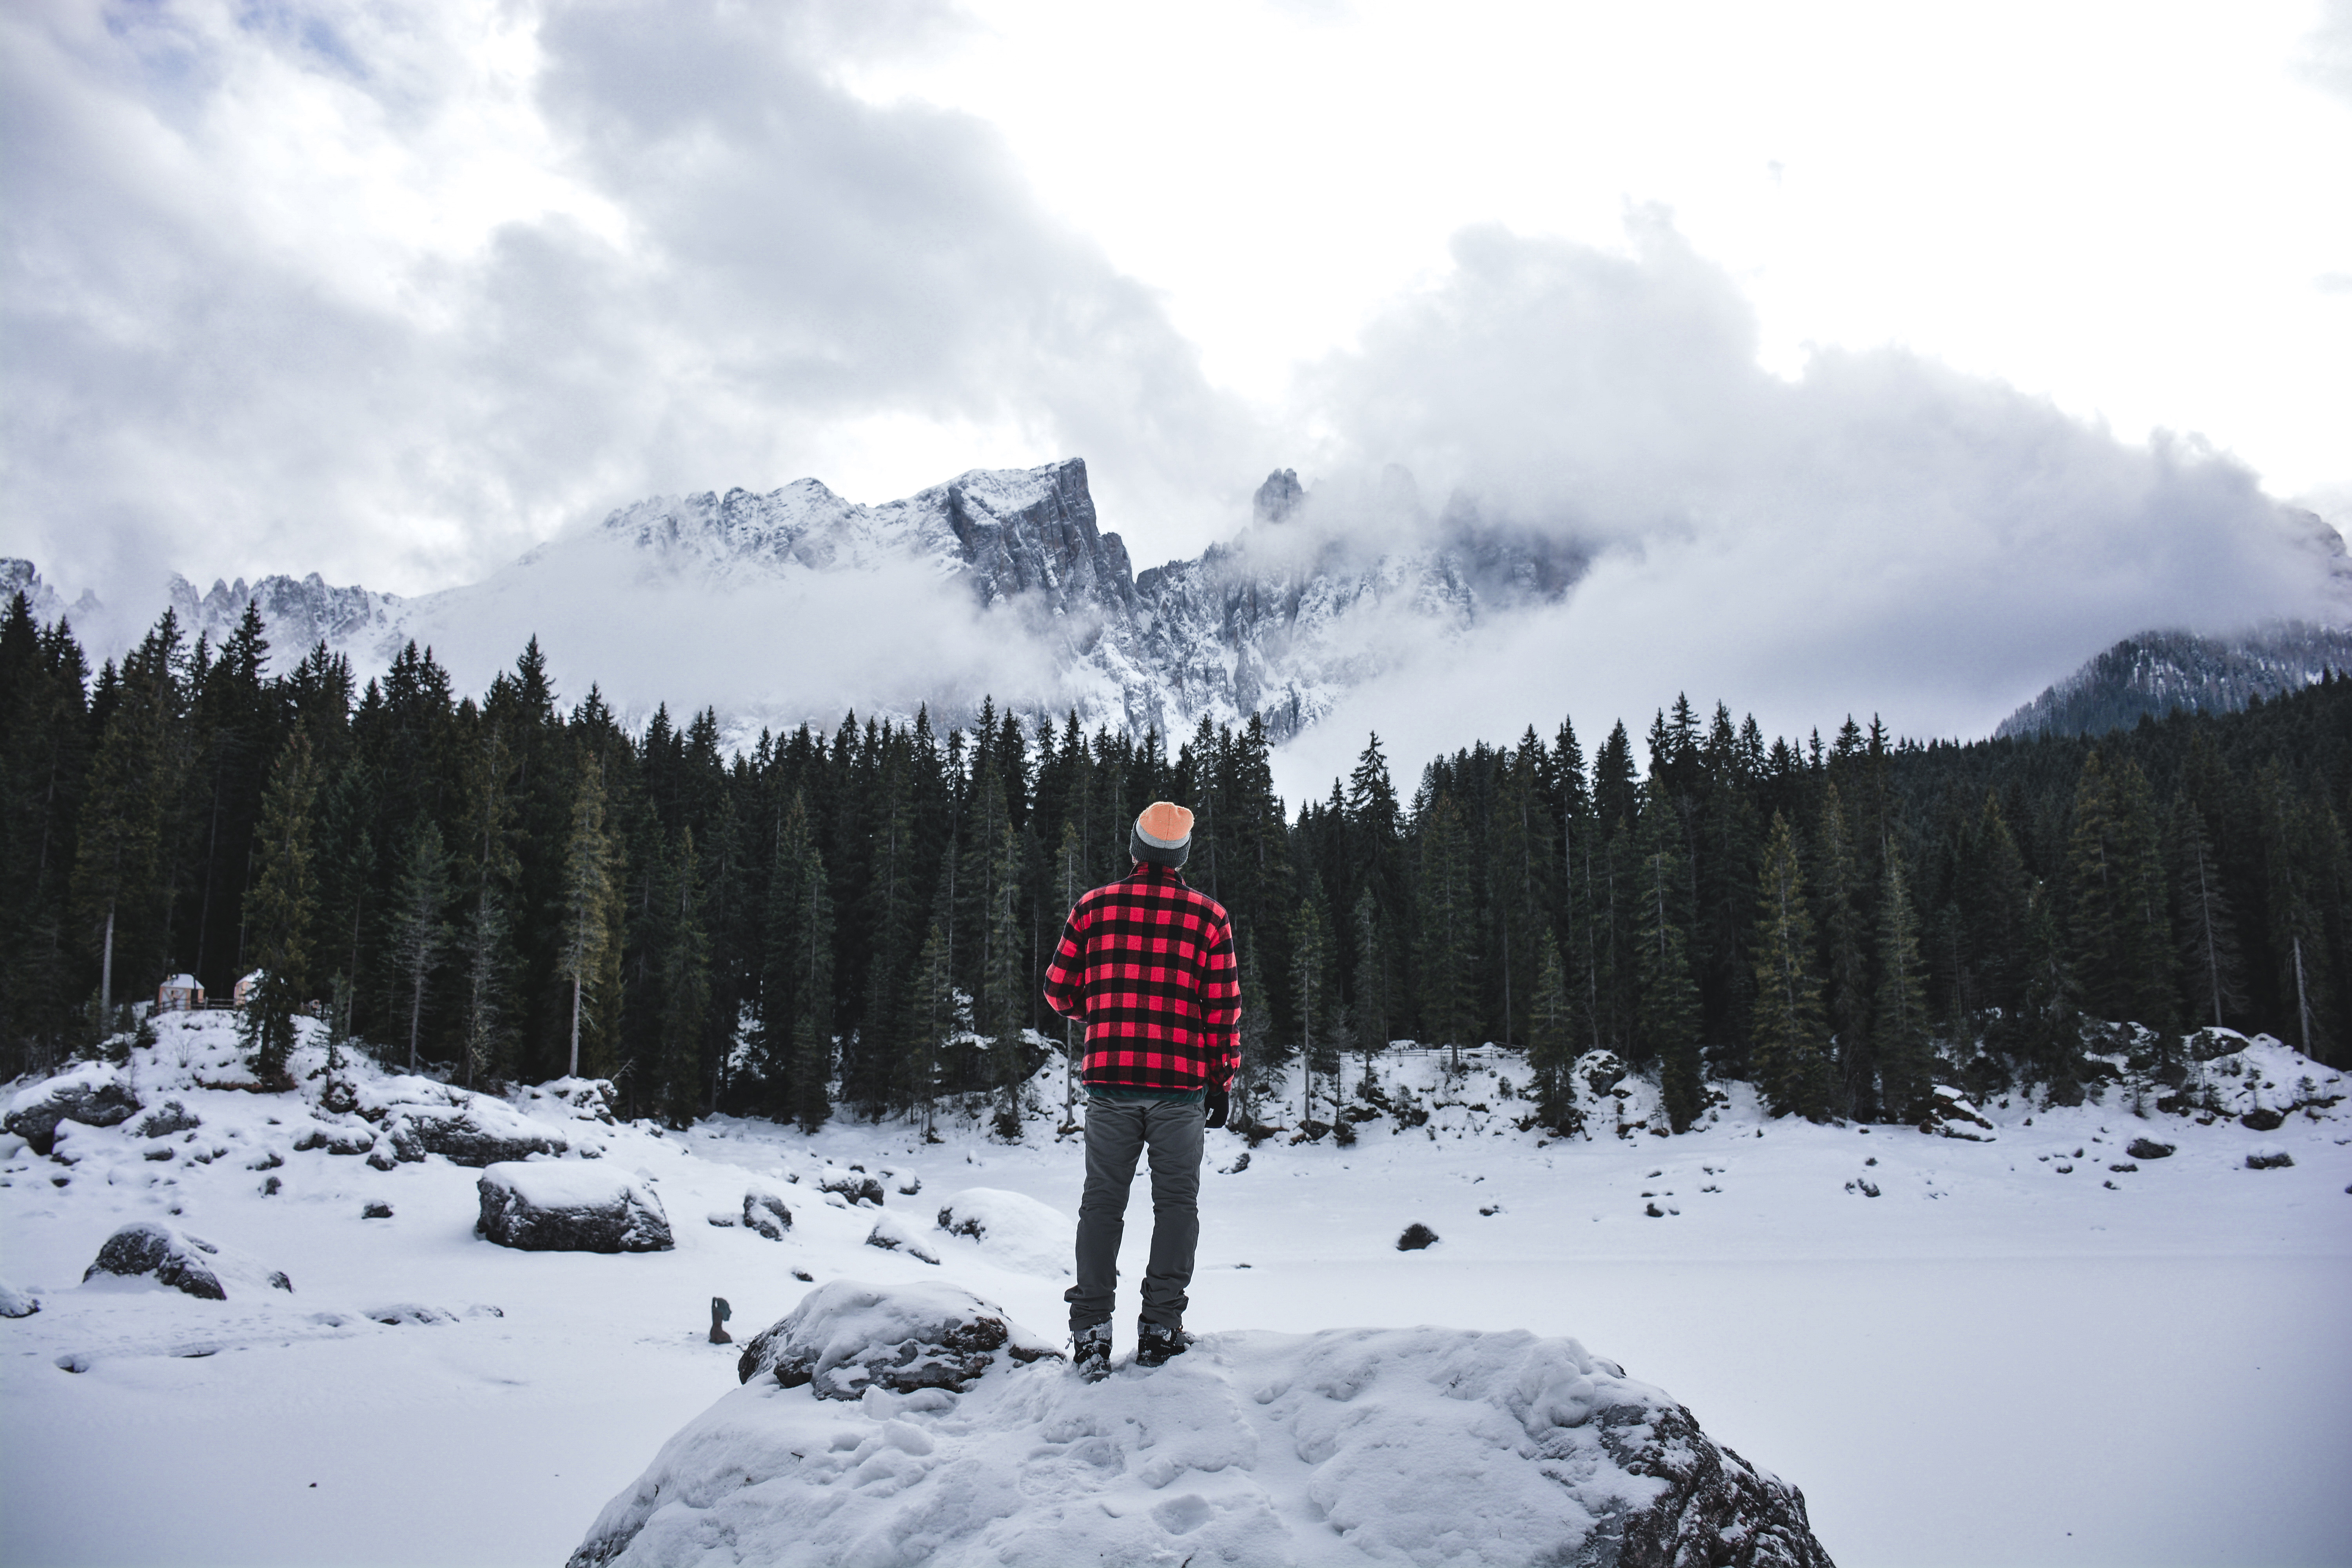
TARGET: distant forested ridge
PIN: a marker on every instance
(856, 923)
(2150, 675)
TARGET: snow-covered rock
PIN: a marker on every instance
(561, 1099)
(2261, 1082)
(1955, 1117)
(1012, 1229)
(1425, 1446)
(93, 1094)
(893, 1234)
(149, 1249)
(167, 1119)
(849, 1336)
(766, 1213)
(855, 1186)
(481, 1133)
(549, 1206)
(15, 1303)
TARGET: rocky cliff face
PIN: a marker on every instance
(1279, 623)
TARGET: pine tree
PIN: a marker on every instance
(1839, 897)
(1370, 1014)
(280, 912)
(588, 938)
(685, 987)
(1789, 1034)
(119, 880)
(1900, 1026)
(2052, 1023)
(45, 744)
(936, 1018)
(486, 932)
(2299, 842)
(1447, 923)
(1667, 1020)
(1308, 944)
(419, 924)
(1551, 1042)
(2205, 918)
(1263, 1051)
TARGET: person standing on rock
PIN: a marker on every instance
(1147, 964)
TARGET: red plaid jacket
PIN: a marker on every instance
(1147, 964)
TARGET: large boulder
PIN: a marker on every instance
(480, 1133)
(849, 1336)
(93, 1095)
(570, 1206)
(1430, 1446)
(190, 1264)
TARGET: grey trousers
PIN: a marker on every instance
(1118, 1131)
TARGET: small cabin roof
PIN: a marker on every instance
(180, 983)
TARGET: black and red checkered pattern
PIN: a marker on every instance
(1147, 964)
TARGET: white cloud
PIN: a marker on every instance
(1879, 534)
(391, 294)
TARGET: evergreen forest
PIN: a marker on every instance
(497, 889)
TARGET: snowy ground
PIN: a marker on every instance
(1994, 1359)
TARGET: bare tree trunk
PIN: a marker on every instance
(416, 1016)
(106, 968)
(575, 1025)
(2302, 997)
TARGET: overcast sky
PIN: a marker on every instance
(393, 291)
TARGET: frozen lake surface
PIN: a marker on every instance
(1992, 1360)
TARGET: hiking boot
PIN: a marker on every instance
(1090, 1354)
(1155, 1344)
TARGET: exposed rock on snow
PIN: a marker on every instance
(167, 1119)
(15, 1303)
(1012, 1229)
(2268, 1159)
(174, 1258)
(893, 1234)
(1425, 1446)
(568, 1206)
(93, 1095)
(765, 1212)
(848, 1336)
(1954, 1117)
(856, 1186)
(2148, 1149)
(1416, 1236)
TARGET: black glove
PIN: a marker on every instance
(1218, 1102)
